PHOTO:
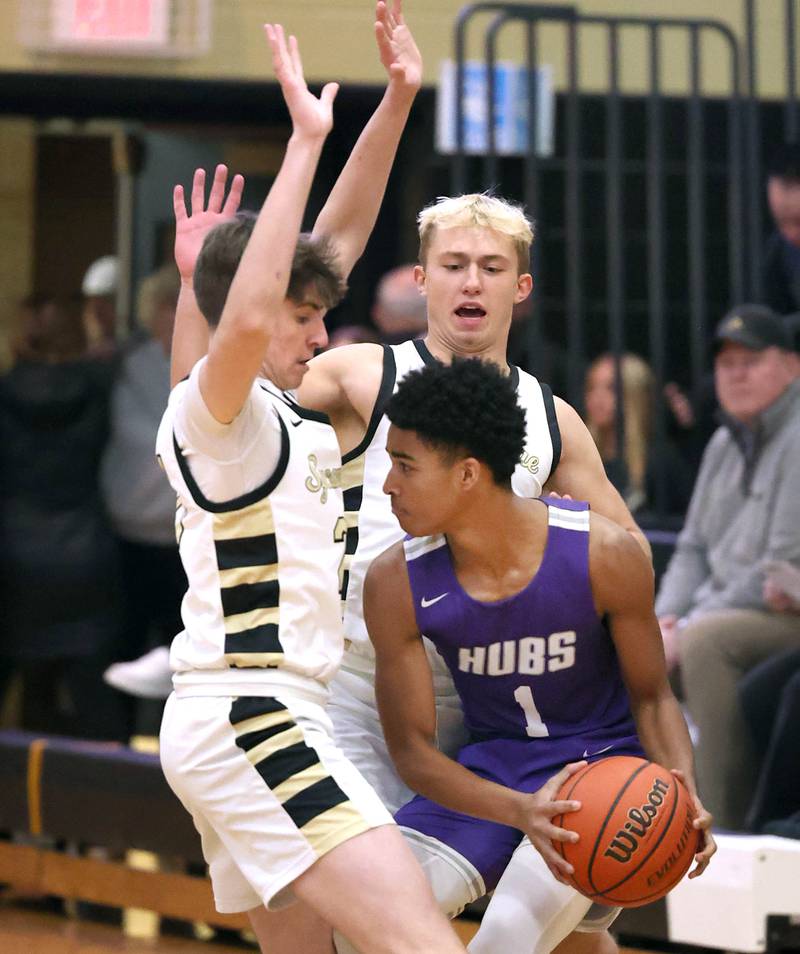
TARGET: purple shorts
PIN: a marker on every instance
(521, 764)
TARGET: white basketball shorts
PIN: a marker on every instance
(358, 732)
(267, 788)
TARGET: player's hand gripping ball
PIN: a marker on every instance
(635, 826)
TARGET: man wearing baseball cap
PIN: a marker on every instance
(99, 288)
(744, 515)
(756, 327)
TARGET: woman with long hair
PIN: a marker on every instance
(632, 467)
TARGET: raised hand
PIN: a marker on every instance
(311, 116)
(192, 228)
(539, 826)
(398, 51)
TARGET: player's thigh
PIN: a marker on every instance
(463, 857)
(382, 901)
(297, 928)
(265, 778)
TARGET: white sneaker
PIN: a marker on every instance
(149, 676)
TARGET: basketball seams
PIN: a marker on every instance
(665, 830)
(610, 812)
(635, 879)
(679, 873)
(655, 895)
(666, 824)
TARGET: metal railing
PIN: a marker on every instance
(672, 241)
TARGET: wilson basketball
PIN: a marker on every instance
(635, 827)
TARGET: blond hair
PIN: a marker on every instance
(477, 210)
(638, 404)
(160, 288)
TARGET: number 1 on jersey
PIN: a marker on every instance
(534, 726)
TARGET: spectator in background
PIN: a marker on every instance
(58, 571)
(793, 325)
(139, 499)
(634, 471)
(99, 288)
(780, 276)
(770, 696)
(744, 514)
(695, 415)
(399, 311)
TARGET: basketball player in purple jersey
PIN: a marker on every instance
(544, 616)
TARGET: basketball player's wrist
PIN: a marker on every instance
(519, 810)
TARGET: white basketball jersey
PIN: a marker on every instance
(262, 610)
(371, 525)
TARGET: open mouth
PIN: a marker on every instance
(471, 312)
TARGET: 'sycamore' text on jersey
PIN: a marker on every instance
(371, 525)
(539, 664)
(263, 607)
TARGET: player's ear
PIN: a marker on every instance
(524, 287)
(470, 471)
(419, 278)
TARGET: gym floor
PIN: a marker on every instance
(25, 929)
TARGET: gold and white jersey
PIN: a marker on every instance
(262, 611)
(371, 525)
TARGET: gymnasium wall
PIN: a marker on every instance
(337, 41)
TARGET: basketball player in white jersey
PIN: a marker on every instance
(245, 742)
(473, 269)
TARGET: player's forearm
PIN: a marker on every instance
(189, 336)
(349, 215)
(262, 278)
(665, 737)
(439, 778)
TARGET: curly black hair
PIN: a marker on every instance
(469, 405)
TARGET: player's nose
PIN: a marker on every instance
(319, 335)
(472, 278)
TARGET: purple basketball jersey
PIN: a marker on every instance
(540, 664)
(538, 678)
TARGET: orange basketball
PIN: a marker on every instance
(635, 827)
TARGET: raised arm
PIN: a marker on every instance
(580, 474)
(256, 296)
(190, 335)
(349, 215)
(404, 690)
(622, 582)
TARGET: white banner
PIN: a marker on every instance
(510, 109)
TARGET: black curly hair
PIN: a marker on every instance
(469, 405)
